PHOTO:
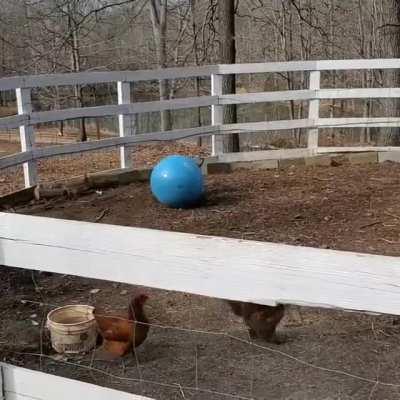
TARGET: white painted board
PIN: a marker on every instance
(22, 384)
(15, 159)
(132, 108)
(82, 78)
(358, 93)
(259, 272)
(13, 121)
(80, 147)
(362, 122)
(311, 65)
(250, 127)
(357, 149)
(260, 155)
(267, 97)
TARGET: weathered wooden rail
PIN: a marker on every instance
(26, 119)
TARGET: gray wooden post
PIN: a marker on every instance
(27, 135)
(313, 110)
(126, 123)
(2, 384)
(217, 115)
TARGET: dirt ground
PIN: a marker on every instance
(327, 354)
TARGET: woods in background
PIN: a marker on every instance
(48, 36)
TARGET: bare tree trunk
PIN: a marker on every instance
(392, 36)
(57, 106)
(158, 14)
(198, 111)
(365, 133)
(227, 55)
(83, 136)
(3, 101)
(96, 120)
(76, 63)
(331, 48)
(98, 130)
(196, 59)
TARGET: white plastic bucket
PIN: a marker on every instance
(72, 329)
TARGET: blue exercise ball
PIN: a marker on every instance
(177, 181)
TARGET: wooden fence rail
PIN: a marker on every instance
(125, 109)
(23, 384)
(263, 273)
(86, 78)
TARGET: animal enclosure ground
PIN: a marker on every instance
(346, 207)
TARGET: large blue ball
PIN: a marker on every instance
(177, 182)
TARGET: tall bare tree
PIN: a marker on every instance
(158, 13)
(391, 31)
(227, 55)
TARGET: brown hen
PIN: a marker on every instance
(121, 334)
(262, 320)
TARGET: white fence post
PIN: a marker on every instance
(313, 110)
(126, 127)
(217, 115)
(27, 135)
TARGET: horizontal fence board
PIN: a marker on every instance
(264, 273)
(358, 93)
(126, 140)
(22, 384)
(254, 68)
(317, 65)
(249, 127)
(297, 95)
(109, 110)
(80, 147)
(15, 159)
(13, 121)
(363, 122)
(260, 155)
(356, 149)
(374, 63)
(170, 73)
(92, 77)
(132, 108)
(74, 113)
(264, 97)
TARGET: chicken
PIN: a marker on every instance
(121, 334)
(262, 320)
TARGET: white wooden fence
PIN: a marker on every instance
(263, 273)
(22, 384)
(26, 119)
